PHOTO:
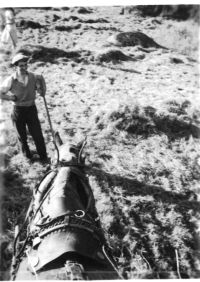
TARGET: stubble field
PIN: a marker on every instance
(139, 108)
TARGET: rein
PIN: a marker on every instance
(26, 218)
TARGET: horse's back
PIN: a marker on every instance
(48, 260)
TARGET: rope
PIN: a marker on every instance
(17, 236)
(51, 128)
(47, 193)
(38, 185)
(33, 268)
(81, 150)
(177, 264)
(105, 253)
(26, 218)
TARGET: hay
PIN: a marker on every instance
(67, 28)
(28, 24)
(45, 54)
(179, 12)
(83, 10)
(112, 56)
(135, 38)
(146, 121)
(91, 21)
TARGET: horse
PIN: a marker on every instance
(63, 237)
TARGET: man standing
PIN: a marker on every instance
(23, 86)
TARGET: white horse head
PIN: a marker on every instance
(69, 153)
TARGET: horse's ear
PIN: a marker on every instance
(58, 140)
(81, 144)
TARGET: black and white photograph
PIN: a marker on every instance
(99, 140)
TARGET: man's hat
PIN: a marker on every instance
(19, 57)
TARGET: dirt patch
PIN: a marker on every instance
(67, 28)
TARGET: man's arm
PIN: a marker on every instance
(4, 89)
(8, 97)
(40, 85)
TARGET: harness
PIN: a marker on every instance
(46, 242)
(79, 219)
(65, 221)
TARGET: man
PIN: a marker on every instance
(22, 86)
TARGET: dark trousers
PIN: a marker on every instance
(23, 117)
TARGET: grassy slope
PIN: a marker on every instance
(141, 119)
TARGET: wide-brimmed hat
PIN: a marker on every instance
(19, 57)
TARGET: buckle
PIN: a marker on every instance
(79, 213)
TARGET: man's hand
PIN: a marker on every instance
(41, 85)
(13, 98)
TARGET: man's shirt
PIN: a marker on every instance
(7, 83)
(25, 91)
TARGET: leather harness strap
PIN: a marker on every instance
(83, 181)
(69, 221)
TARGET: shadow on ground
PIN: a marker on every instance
(14, 203)
(145, 226)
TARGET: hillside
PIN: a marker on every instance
(130, 83)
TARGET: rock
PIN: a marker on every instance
(176, 60)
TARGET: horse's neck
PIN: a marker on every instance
(63, 196)
(63, 177)
(65, 186)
